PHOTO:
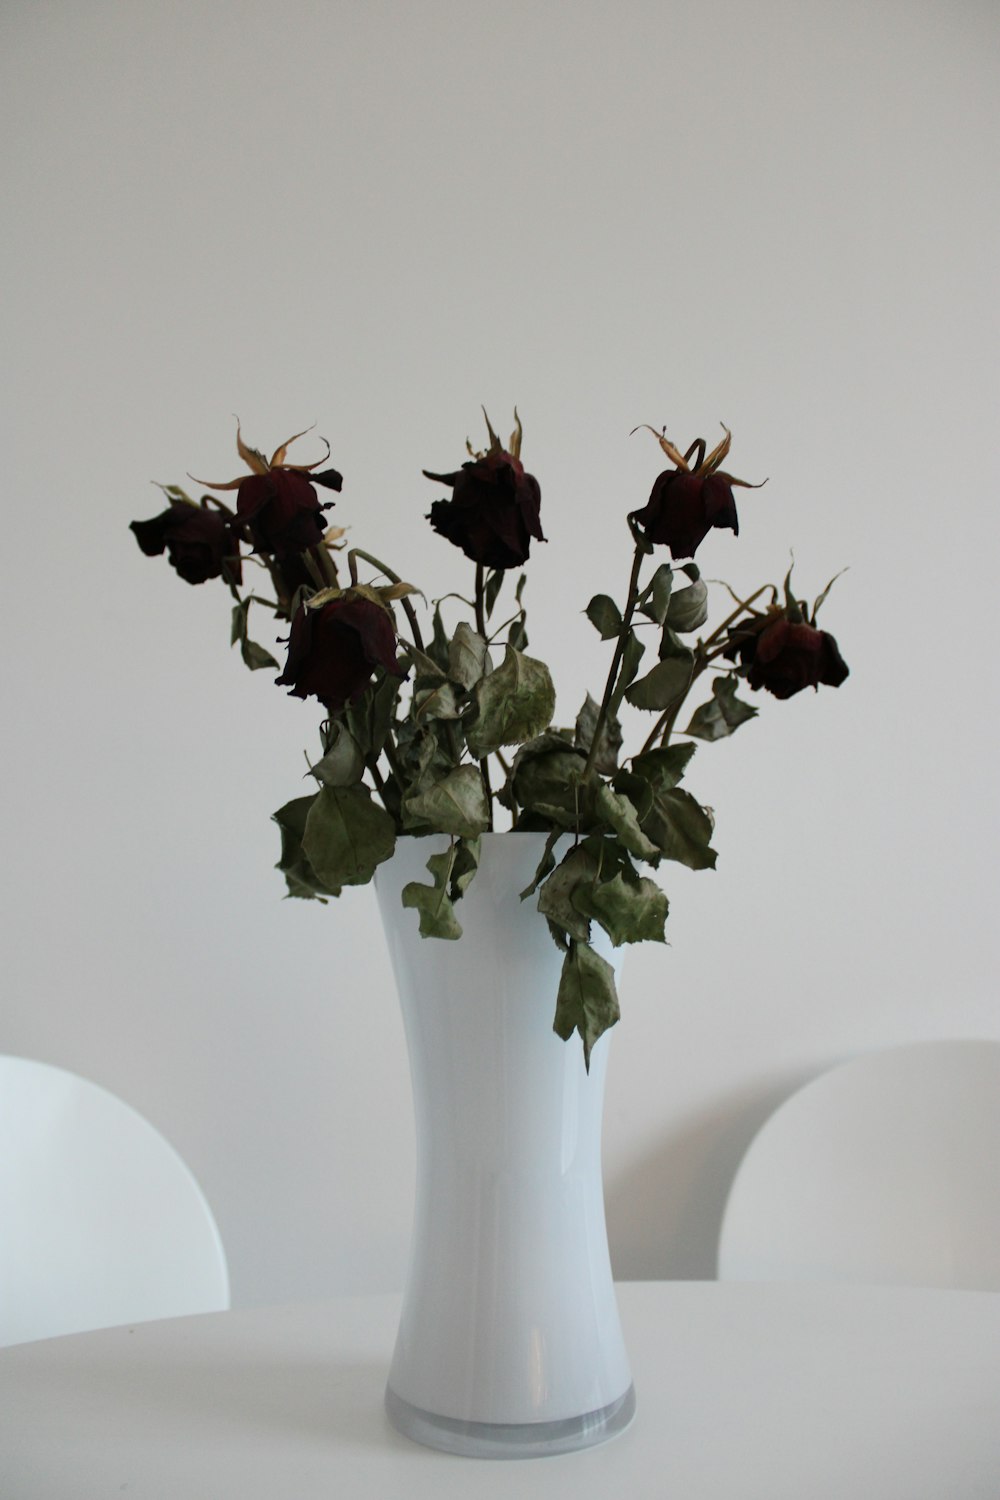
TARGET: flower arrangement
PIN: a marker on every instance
(430, 733)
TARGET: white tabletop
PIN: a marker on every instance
(746, 1392)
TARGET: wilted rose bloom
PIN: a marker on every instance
(282, 510)
(784, 656)
(199, 542)
(683, 507)
(333, 651)
(493, 512)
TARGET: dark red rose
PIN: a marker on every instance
(199, 542)
(282, 510)
(784, 656)
(683, 507)
(493, 512)
(333, 651)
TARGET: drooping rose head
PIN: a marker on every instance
(784, 655)
(683, 508)
(198, 541)
(282, 510)
(276, 502)
(686, 502)
(334, 650)
(494, 511)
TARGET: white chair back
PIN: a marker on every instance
(884, 1170)
(101, 1222)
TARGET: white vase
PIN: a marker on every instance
(509, 1343)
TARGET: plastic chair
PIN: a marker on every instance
(101, 1222)
(885, 1170)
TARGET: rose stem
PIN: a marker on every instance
(393, 578)
(664, 725)
(377, 778)
(612, 682)
(484, 764)
(325, 564)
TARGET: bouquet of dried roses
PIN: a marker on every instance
(426, 733)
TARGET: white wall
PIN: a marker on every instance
(375, 217)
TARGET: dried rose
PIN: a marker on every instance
(277, 502)
(785, 655)
(282, 511)
(199, 542)
(334, 650)
(494, 509)
(685, 503)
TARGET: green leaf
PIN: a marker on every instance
(723, 713)
(555, 897)
(606, 759)
(370, 719)
(546, 864)
(618, 812)
(680, 828)
(436, 703)
(425, 666)
(517, 636)
(253, 655)
(658, 594)
(605, 616)
(300, 877)
(440, 645)
(673, 647)
(468, 657)
(631, 657)
(347, 835)
(662, 768)
(548, 775)
(494, 583)
(689, 607)
(587, 1001)
(342, 763)
(467, 852)
(514, 703)
(629, 911)
(456, 805)
(667, 682)
(636, 789)
(437, 914)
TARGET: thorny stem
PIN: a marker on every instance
(612, 682)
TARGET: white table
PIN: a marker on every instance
(746, 1392)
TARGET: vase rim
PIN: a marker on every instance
(493, 833)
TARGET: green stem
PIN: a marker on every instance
(484, 764)
(376, 776)
(664, 726)
(481, 600)
(393, 578)
(325, 565)
(612, 682)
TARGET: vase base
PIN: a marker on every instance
(510, 1439)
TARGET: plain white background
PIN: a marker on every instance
(376, 217)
